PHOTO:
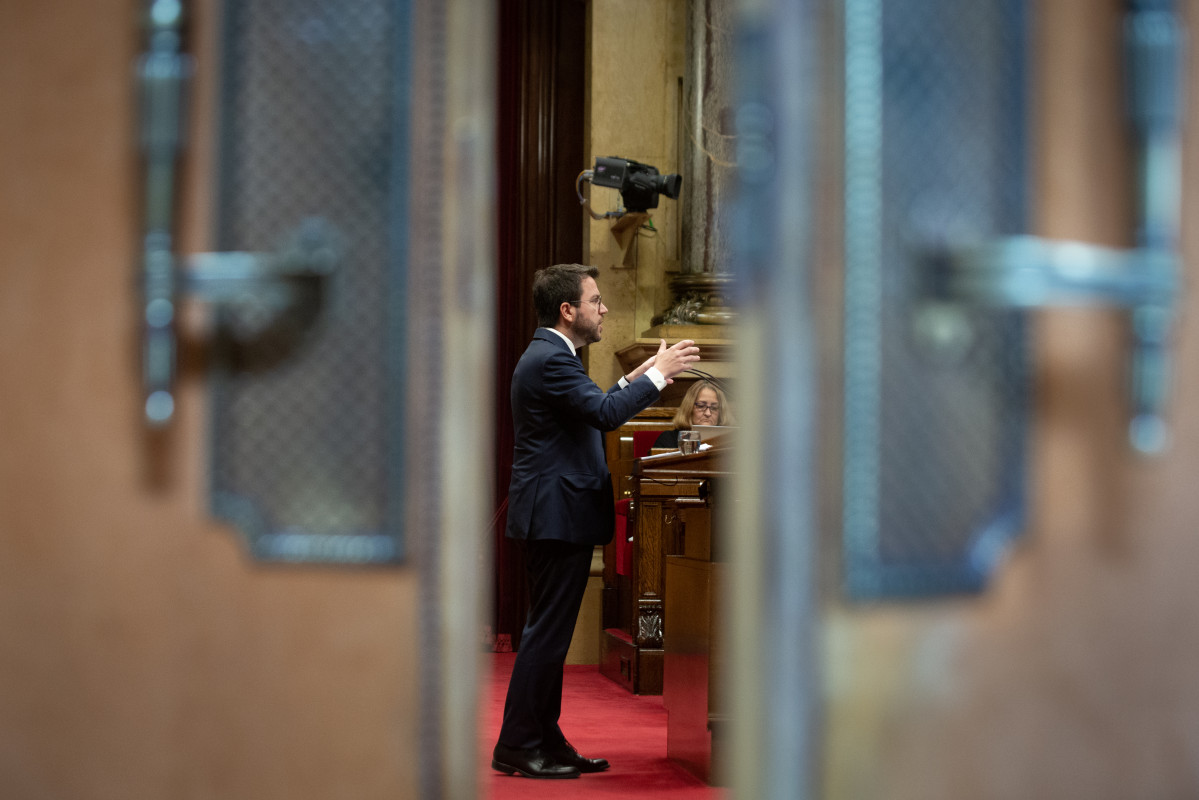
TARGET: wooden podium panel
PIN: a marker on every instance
(634, 665)
(689, 677)
(669, 514)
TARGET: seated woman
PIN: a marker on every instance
(704, 404)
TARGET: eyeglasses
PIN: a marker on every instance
(705, 407)
(598, 302)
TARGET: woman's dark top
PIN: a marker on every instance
(668, 439)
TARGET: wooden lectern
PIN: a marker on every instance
(660, 634)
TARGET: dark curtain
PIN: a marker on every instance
(540, 152)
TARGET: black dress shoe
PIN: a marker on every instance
(566, 754)
(531, 763)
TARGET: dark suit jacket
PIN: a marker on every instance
(561, 487)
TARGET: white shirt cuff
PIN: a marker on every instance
(657, 377)
(653, 373)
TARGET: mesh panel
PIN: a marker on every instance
(303, 451)
(936, 392)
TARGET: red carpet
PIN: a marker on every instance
(600, 719)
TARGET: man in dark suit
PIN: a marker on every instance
(560, 502)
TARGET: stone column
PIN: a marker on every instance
(707, 166)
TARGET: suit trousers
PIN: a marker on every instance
(557, 572)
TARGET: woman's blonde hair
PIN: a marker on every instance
(682, 417)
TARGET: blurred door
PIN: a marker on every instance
(1069, 674)
(146, 653)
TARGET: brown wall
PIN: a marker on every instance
(637, 50)
(1073, 676)
(141, 654)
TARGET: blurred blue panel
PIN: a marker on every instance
(307, 425)
(936, 393)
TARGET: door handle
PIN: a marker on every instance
(278, 285)
(1029, 272)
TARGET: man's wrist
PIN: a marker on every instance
(653, 373)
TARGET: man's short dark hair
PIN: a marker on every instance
(553, 286)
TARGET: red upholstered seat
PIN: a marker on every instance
(624, 549)
(643, 442)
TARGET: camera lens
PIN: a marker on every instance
(669, 185)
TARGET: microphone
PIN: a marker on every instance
(717, 382)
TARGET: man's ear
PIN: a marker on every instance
(566, 312)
